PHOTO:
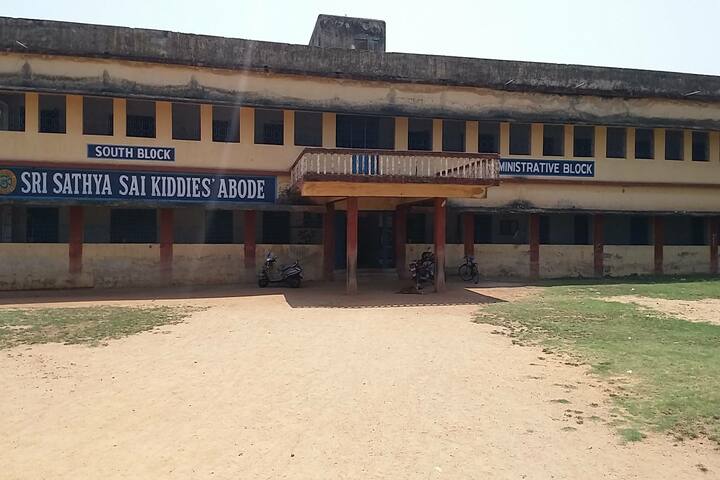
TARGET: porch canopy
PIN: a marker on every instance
(332, 175)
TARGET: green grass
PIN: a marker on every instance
(664, 371)
(87, 325)
(671, 288)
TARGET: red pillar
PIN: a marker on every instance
(329, 241)
(439, 239)
(714, 224)
(659, 240)
(598, 244)
(352, 240)
(75, 240)
(401, 240)
(468, 219)
(166, 239)
(250, 232)
(534, 246)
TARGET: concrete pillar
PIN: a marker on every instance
(401, 133)
(166, 240)
(329, 241)
(247, 125)
(437, 135)
(598, 222)
(471, 136)
(329, 132)
(206, 119)
(119, 118)
(439, 240)
(659, 242)
(75, 239)
(534, 246)
(714, 234)
(249, 236)
(352, 241)
(468, 222)
(73, 115)
(400, 229)
(289, 127)
(163, 120)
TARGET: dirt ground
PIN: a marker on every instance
(706, 310)
(311, 384)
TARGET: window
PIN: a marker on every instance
(453, 135)
(97, 116)
(616, 142)
(644, 140)
(218, 226)
(553, 140)
(697, 231)
(519, 139)
(544, 232)
(489, 137)
(509, 227)
(140, 118)
(185, 121)
(700, 147)
(42, 225)
(355, 131)
(416, 228)
(52, 114)
(276, 227)
(584, 141)
(483, 228)
(225, 124)
(12, 112)
(581, 233)
(420, 134)
(269, 127)
(133, 225)
(639, 230)
(308, 129)
(674, 144)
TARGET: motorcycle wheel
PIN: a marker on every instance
(263, 282)
(293, 282)
(466, 273)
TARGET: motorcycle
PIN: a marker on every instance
(290, 275)
(422, 270)
(469, 270)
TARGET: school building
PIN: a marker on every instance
(133, 157)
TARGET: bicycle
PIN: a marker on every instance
(469, 270)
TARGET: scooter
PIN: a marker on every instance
(422, 270)
(291, 275)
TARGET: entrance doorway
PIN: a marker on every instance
(376, 244)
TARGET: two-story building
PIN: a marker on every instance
(136, 157)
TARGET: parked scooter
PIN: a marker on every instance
(422, 270)
(469, 270)
(290, 275)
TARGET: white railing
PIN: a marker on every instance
(422, 166)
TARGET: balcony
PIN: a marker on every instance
(385, 173)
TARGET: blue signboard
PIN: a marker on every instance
(76, 184)
(546, 168)
(131, 152)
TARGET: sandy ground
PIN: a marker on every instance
(287, 384)
(706, 310)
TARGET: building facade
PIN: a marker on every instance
(139, 157)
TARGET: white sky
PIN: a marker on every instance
(652, 34)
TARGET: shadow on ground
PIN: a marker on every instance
(371, 294)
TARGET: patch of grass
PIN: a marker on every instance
(631, 434)
(664, 372)
(671, 288)
(88, 325)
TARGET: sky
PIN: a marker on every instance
(671, 35)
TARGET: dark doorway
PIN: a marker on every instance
(376, 243)
(376, 247)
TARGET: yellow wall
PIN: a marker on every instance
(680, 260)
(558, 261)
(354, 94)
(622, 260)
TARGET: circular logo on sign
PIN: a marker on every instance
(7, 182)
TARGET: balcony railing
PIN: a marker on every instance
(319, 164)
